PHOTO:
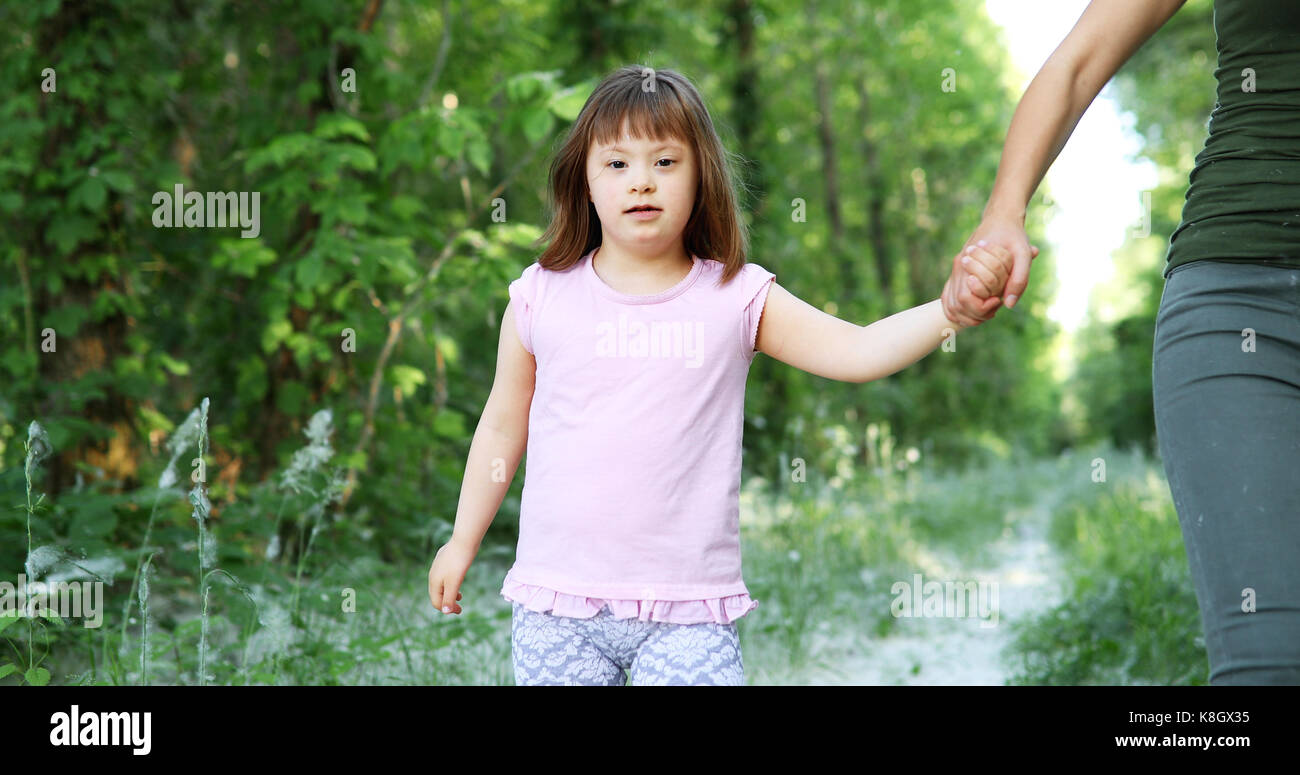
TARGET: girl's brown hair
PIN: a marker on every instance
(656, 104)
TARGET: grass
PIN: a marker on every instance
(820, 556)
(823, 557)
(1130, 615)
(823, 562)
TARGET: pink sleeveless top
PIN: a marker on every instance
(632, 474)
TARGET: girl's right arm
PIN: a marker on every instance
(498, 445)
(1106, 35)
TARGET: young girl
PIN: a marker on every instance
(621, 366)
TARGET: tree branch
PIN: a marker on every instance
(414, 299)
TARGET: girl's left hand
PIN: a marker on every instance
(988, 266)
(967, 306)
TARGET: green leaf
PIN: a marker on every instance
(251, 382)
(275, 332)
(522, 87)
(480, 154)
(537, 123)
(37, 676)
(308, 270)
(450, 424)
(119, 181)
(67, 231)
(567, 103)
(282, 149)
(94, 194)
(407, 378)
(447, 345)
(451, 139)
(243, 256)
(405, 206)
(7, 620)
(179, 368)
(356, 157)
(7, 669)
(350, 209)
(355, 459)
(338, 125)
(91, 194)
(156, 420)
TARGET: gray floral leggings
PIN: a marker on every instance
(563, 650)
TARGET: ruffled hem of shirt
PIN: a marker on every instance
(720, 610)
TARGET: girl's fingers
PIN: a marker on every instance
(987, 281)
(1000, 261)
(953, 309)
(966, 304)
(999, 268)
(978, 287)
(970, 312)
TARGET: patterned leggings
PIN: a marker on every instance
(563, 650)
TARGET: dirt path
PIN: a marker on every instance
(951, 650)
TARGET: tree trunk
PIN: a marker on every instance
(876, 237)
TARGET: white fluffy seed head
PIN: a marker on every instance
(38, 444)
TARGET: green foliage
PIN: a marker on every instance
(1130, 614)
(936, 154)
(375, 286)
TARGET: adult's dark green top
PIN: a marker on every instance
(1243, 198)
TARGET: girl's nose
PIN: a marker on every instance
(646, 184)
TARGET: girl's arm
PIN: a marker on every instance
(499, 443)
(1105, 36)
(500, 439)
(797, 333)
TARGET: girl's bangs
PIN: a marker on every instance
(657, 115)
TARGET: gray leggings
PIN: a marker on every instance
(1228, 422)
(562, 650)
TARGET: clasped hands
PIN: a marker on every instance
(976, 289)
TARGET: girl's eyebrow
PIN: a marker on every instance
(673, 146)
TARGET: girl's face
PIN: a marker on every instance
(631, 172)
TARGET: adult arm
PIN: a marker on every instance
(1102, 40)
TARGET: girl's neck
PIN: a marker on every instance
(627, 273)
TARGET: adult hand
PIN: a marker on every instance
(966, 300)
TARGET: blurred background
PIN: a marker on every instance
(330, 371)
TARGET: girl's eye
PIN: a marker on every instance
(616, 161)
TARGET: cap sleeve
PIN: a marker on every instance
(755, 283)
(523, 294)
